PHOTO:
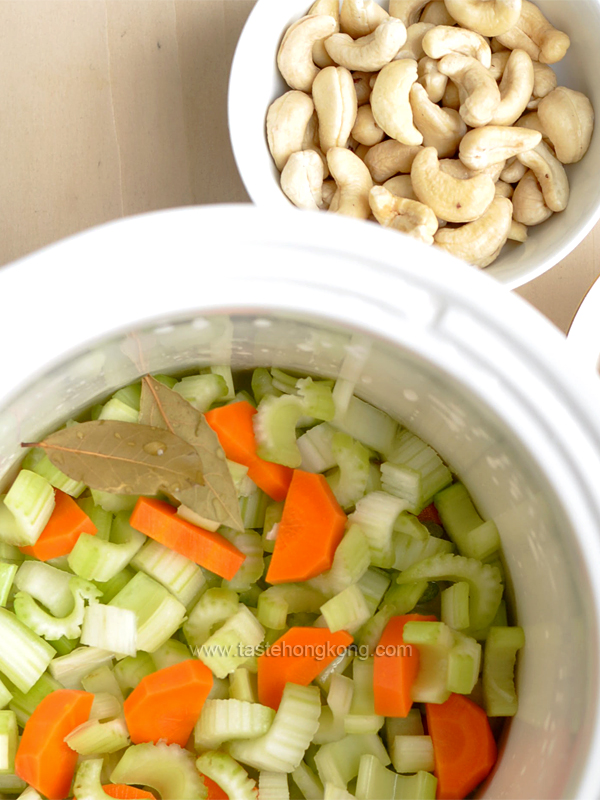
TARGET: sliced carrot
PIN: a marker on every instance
(44, 760)
(64, 528)
(160, 522)
(311, 527)
(233, 425)
(463, 746)
(214, 790)
(122, 791)
(166, 704)
(395, 668)
(430, 514)
(297, 657)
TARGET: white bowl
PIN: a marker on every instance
(255, 82)
(584, 333)
(473, 369)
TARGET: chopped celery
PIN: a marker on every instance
(224, 372)
(282, 748)
(397, 600)
(410, 525)
(30, 794)
(5, 695)
(455, 606)
(339, 702)
(275, 429)
(276, 602)
(116, 409)
(375, 514)
(130, 394)
(8, 742)
(316, 448)
(412, 754)
(110, 628)
(225, 720)
(347, 610)
(234, 642)
(105, 707)
(337, 667)
(88, 780)
(27, 507)
(157, 611)
(472, 536)
(70, 669)
(228, 774)
(220, 689)
(211, 611)
(283, 381)
(102, 519)
(181, 576)
(102, 680)
(7, 576)
(411, 725)
(166, 768)
(46, 584)
(308, 783)
(485, 585)
(95, 737)
(350, 562)
(44, 624)
(11, 784)
(166, 380)
(24, 656)
(10, 553)
(369, 425)
(244, 485)
(56, 478)
(25, 703)
(375, 782)
(501, 647)
(373, 584)
(243, 685)
(201, 391)
(273, 785)
(434, 642)
(170, 653)
(112, 587)
(251, 570)
(253, 509)
(100, 560)
(338, 762)
(131, 670)
(362, 717)
(114, 502)
(262, 384)
(333, 792)
(349, 482)
(409, 551)
(414, 471)
(464, 661)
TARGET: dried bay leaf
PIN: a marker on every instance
(217, 499)
(124, 457)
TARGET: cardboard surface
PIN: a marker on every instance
(115, 107)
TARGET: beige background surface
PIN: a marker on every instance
(114, 107)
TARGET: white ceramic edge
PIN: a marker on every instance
(584, 333)
(246, 147)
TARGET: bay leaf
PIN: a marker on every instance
(124, 457)
(217, 499)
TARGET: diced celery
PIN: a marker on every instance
(253, 509)
(8, 552)
(411, 725)
(24, 656)
(317, 398)
(102, 519)
(56, 478)
(166, 380)
(337, 667)
(338, 762)
(501, 647)
(166, 768)
(170, 653)
(275, 429)
(273, 785)
(349, 482)
(412, 754)
(225, 373)
(211, 611)
(201, 391)
(30, 794)
(339, 702)
(11, 784)
(46, 584)
(249, 543)
(112, 587)
(27, 506)
(102, 680)
(434, 642)
(414, 471)
(395, 603)
(243, 685)
(114, 502)
(262, 384)
(228, 774)
(220, 689)
(44, 624)
(455, 606)
(7, 576)
(463, 664)
(409, 551)
(105, 707)
(472, 536)
(369, 425)
(110, 628)
(410, 525)
(158, 612)
(5, 695)
(130, 394)
(283, 381)
(119, 411)
(24, 703)
(282, 748)
(316, 448)
(373, 584)
(225, 720)
(347, 610)
(375, 782)
(276, 602)
(308, 783)
(88, 780)
(70, 669)
(350, 562)
(8, 742)
(131, 670)
(100, 560)
(362, 717)
(333, 792)
(181, 576)
(244, 485)
(234, 642)
(95, 737)
(375, 514)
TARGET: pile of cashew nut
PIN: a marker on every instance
(440, 118)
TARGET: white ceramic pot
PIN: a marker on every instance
(474, 370)
(255, 82)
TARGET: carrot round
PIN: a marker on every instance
(44, 760)
(395, 668)
(430, 514)
(311, 527)
(214, 790)
(122, 791)
(234, 428)
(463, 746)
(160, 522)
(297, 657)
(62, 531)
(166, 704)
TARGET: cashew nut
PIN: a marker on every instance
(568, 119)
(408, 11)
(413, 46)
(533, 33)
(529, 207)
(388, 158)
(402, 214)
(487, 17)
(504, 189)
(328, 190)
(451, 199)
(484, 146)
(442, 128)
(332, 9)
(544, 79)
(515, 88)
(432, 79)
(479, 93)
(361, 17)
(335, 103)
(457, 169)
(518, 232)
(479, 243)
(287, 121)
(361, 151)
(353, 181)
(294, 58)
(366, 130)
(533, 122)
(362, 86)
(437, 13)
(401, 186)
(513, 171)
(369, 53)
(451, 97)
(302, 180)
(390, 101)
(444, 40)
(551, 176)
(498, 65)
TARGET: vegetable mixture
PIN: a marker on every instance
(272, 593)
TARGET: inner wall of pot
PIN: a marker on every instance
(545, 749)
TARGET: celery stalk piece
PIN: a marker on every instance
(434, 642)
(414, 471)
(349, 482)
(8, 552)
(131, 395)
(225, 720)
(369, 425)
(159, 614)
(44, 624)
(282, 748)
(7, 576)
(95, 737)
(316, 448)
(70, 669)
(231, 646)
(473, 537)
(375, 782)
(5, 695)
(338, 762)
(253, 509)
(10, 531)
(333, 792)
(116, 409)
(170, 653)
(411, 725)
(375, 514)
(455, 606)
(317, 397)
(88, 781)
(166, 380)
(110, 628)
(114, 502)
(244, 485)
(309, 784)
(201, 391)
(130, 671)
(397, 600)
(410, 525)
(283, 381)
(112, 587)
(102, 519)
(361, 717)
(337, 667)
(275, 429)
(105, 706)
(347, 611)
(251, 570)
(412, 754)
(181, 576)
(9, 734)
(210, 612)
(485, 585)
(243, 685)
(350, 562)
(339, 702)
(44, 467)
(273, 515)
(499, 658)
(273, 785)
(165, 768)
(276, 602)
(464, 662)
(228, 774)
(373, 584)
(219, 690)
(30, 794)
(26, 509)
(409, 551)
(262, 384)
(11, 784)
(24, 656)
(99, 560)
(103, 680)
(47, 584)
(24, 703)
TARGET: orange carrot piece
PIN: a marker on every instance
(395, 669)
(166, 704)
(160, 522)
(44, 760)
(233, 425)
(463, 746)
(430, 514)
(311, 527)
(64, 528)
(122, 791)
(297, 657)
(214, 790)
